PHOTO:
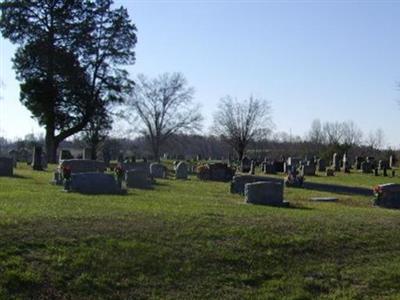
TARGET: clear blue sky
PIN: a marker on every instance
(335, 60)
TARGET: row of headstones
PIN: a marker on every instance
(87, 176)
(269, 191)
(271, 167)
(7, 164)
(310, 167)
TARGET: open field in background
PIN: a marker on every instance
(194, 240)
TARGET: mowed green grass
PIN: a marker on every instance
(192, 240)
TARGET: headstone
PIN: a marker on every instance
(6, 166)
(366, 167)
(330, 172)
(382, 164)
(215, 172)
(307, 170)
(269, 168)
(358, 161)
(158, 170)
(94, 183)
(292, 161)
(37, 158)
(65, 154)
(335, 162)
(137, 178)
(83, 165)
(286, 167)
(239, 181)
(140, 165)
(266, 193)
(252, 168)
(388, 195)
(346, 164)
(14, 155)
(87, 153)
(278, 166)
(321, 165)
(371, 161)
(263, 166)
(245, 165)
(181, 171)
(391, 161)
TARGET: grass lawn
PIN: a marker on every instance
(194, 240)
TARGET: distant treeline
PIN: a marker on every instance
(209, 147)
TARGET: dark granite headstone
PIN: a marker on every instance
(37, 159)
(264, 192)
(94, 183)
(6, 166)
(137, 178)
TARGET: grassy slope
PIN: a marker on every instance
(192, 240)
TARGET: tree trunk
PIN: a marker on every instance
(93, 151)
(240, 152)
(156, 151)
(51, 145)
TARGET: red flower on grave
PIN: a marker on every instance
(119, 171)
(377, 190)
(66, 171)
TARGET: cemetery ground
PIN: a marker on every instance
(193, 239)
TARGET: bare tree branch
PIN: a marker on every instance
(164, 105)
(239, 123)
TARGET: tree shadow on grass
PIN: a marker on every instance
(285, 206)
(17, 176)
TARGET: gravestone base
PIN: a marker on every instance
(324, 199)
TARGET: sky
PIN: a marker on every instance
(327, 60)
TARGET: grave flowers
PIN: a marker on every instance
(293, 179)
(66, 171)
(378, 194)
(119, 173)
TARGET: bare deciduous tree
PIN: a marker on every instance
(342, 133)
(238, 123)
(351, 134)
(316, 134)
(165, 107)
(375, 139)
